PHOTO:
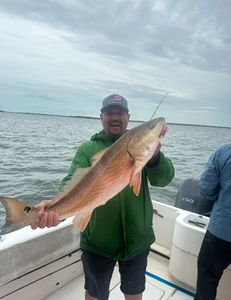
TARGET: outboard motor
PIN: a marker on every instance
(189, 198)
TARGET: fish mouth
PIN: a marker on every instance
(163, 132)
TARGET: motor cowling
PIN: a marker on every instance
(189, 198)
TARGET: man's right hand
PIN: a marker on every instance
(46, 219)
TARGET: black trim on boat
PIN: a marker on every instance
(159, 253)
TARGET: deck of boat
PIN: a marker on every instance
(159, 284)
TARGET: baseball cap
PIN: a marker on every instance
(114, 100)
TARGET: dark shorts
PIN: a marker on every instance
(98, 272)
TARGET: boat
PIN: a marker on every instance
(46, 263)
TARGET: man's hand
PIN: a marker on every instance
(46, 219)
(155, 157)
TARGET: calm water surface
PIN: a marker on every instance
(36, 152)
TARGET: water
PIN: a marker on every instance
(36, 152)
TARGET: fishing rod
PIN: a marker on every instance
(162, 99)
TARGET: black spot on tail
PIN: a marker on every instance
(27, 209)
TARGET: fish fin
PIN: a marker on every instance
(136, 183)
(81, 220)
(18, 214)
(79, 174)
(135, 178)
(96, 157)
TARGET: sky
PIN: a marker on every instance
(64, 56)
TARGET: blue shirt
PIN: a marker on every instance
(215, 185)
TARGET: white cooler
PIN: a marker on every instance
(187, 238)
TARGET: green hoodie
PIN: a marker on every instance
(122, 228)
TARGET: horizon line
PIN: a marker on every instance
(97, 118)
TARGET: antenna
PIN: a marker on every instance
(162, 99)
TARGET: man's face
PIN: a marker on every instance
(114, 121)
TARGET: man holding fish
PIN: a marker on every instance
(107, 189)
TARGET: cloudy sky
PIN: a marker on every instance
(64, 56)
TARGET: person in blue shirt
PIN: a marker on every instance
(215, 253)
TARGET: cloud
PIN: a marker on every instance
(182, 31)
(207, 108)
(70, 51)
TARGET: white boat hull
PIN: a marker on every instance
(46, 264)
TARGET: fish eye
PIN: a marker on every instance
(151, 125)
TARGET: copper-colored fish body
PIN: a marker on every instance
(121, 164)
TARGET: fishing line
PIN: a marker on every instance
(162, 99)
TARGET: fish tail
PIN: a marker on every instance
(18, 214)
